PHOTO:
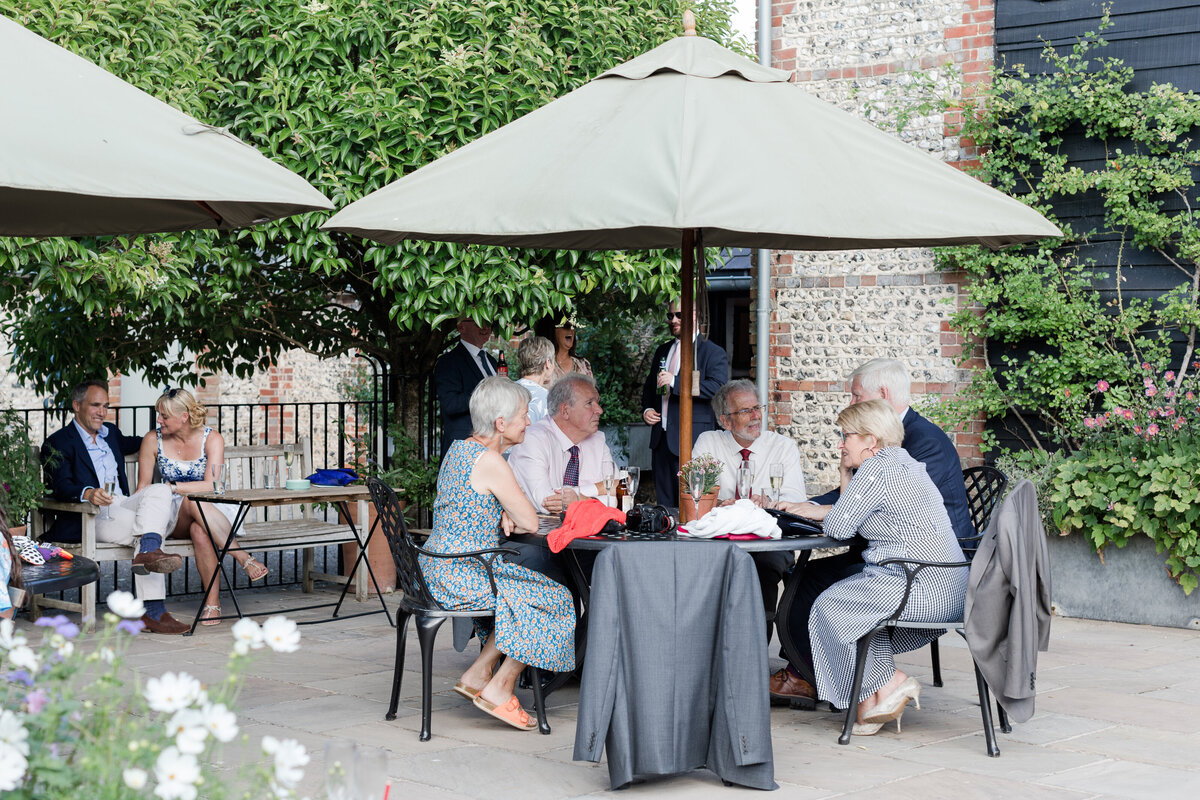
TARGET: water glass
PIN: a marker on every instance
(218, 471)
(271, 472)
(106, 511)
(635, 476)
(370, 772)
(339, 769)
(745, 482)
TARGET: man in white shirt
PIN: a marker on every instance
(564, 449)
(743, 440)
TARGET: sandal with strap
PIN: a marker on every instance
(210, 615)
(255, 570)
(510, 712)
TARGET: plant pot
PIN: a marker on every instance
(378, 553)
(689, 511)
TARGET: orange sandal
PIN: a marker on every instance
(510, 712)
(463, 690)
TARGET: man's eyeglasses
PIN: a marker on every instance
(674, 315)
(742, 413)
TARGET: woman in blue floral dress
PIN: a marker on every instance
(184, 449)
(478, 497)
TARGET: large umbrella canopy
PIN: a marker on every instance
(84, 153)
(664, 150)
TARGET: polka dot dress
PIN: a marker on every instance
(535, 618)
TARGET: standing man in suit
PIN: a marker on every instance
(456, 375)
(661, 411)
(80, 459)
(888, 379)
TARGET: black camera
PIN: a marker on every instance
(648, 519)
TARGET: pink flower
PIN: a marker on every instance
(1146, 365)
(1089, 422)
(1169, 375)
(1137, 429)
(1190, 395)
(1111, 506)
(1168, 412)
(1067, 392)
(1177, 424)
(1102, 386)
(1151, 391)
(1127, 413)
(1152, 430)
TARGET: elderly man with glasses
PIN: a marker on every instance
(660, 402)
(744, 442)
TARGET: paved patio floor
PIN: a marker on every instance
(1118, 715)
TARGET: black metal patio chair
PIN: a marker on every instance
(419, 602)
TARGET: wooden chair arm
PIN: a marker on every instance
(75, 506)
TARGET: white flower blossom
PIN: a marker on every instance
(23, 657)
(125, 605)
(188, 728)
(63, 646)
(172, 692)
(13, 733)
(220, 722)
(290, 758)
(315, 7)
(12, 768)
(176, 774)
(281, 635)
(10, 636)
(135, 778)
(106, 654)
(247, 636)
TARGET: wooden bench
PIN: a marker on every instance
(279, 529)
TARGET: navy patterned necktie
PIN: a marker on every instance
(571, 474)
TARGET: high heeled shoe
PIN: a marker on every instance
(892, 706)
(871, 728)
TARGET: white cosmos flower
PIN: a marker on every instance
(125, 605)
(281, 635)
(247, 636)
(290, 758)
(63, 646)
(135, 778)
(10, 635)
(12, 768)
(23, 657)
(107, 654)
(172, 692)
(176, 774)
(220, 722)
(188, 728)
(13, 733)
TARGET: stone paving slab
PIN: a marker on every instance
(1118, 715)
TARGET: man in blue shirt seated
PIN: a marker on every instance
(84, 456)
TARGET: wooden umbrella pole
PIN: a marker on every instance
(687, 335)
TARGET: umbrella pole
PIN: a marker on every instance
(687, 336)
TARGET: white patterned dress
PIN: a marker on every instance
(175, 470)
(897, 508)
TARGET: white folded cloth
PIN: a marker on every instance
(741, 517)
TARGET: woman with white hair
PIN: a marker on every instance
(186, 450)
(477, 498)
(888, 499)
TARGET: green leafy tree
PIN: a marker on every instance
(351, 95)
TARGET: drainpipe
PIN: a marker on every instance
(763, 306)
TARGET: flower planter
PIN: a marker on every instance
(688, 510)
(1130, 585)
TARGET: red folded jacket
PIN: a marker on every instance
(584, 518)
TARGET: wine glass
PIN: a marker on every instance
(289, 455)
(218, 471)
(776, 481)
(608, 477)
(110, 486)
(696, 486)
(339, 769)
(635, 476)
(745, 482)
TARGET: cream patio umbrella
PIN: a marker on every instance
(658, 153)
(84, 153)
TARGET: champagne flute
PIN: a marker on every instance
(289, 455)
(635, 476)
(339, 769)
(776, 481)
(608, 477)
(110, 486)
(696, 485)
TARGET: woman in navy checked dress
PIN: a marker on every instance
(478, 497)
(888, 499)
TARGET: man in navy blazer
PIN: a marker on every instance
(888, 379)
(80, 458)
(457, 373)
(712, 363)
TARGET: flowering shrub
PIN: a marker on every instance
(707, 466)
(71, 728)
(1137, 470)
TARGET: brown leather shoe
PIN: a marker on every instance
(155, 561)
(165, 624)
(788, 689)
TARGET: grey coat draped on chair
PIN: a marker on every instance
(1008, 602)
(676, 670)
